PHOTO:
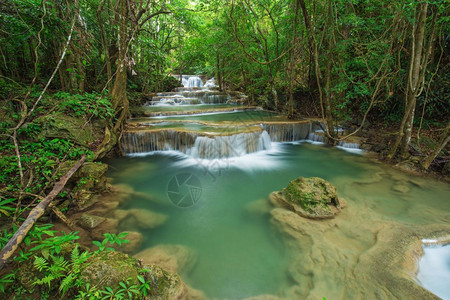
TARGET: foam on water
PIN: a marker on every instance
(351, 150)
(434, 270)
(261, 160)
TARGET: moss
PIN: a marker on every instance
(62, 126)
(311, 197)
(108, 268)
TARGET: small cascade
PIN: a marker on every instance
(134, 142)
(230, 145)
(288, 132)
(314, 137)
(193, 92)
(347, 145)
(195, 145)
(210, 83)
(193, 81)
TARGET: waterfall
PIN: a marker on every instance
(316, 137)
(209, 147)
(193, 81)
(210, 83)
(344, 144)
(147, 141)
(190, 96)
(288, 132)
(230, 145)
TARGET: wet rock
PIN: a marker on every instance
(84, 199)
(108, 226)
(173, 258)
(401, 188)
(108, 268)
(88, 221)
(135, 242)
(259, 207)
(167, 286)
(143, 219)
(312, 197)
(120, 214)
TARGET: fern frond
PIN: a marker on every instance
(67, 283)
(40, 263)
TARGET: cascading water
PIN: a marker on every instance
(199, 146)
(193, 92)
(194, 81)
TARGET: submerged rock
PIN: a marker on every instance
(173, 258)
(141, 218)
(135, 242)
(258, 207)
(312, 197)
(88, 221)
(108, 226)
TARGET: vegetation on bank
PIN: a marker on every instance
(69, 71)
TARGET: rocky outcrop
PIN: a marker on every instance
(88, 181)
(58, 125)
(313, 198)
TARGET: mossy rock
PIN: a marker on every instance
(58, 125)
(312, 197)
(108, 268)
(164, 285)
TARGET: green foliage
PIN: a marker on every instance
(57, 262)
(87, 105)
(111, 239)
(5, 206)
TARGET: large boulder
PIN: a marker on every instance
(58, 125)
(108, 268)
(312, 197)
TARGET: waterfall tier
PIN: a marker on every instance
(196, 144)
(211, 145)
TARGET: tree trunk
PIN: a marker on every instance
(34, 215)
(445, 138)
(415, 80)
(119, 91)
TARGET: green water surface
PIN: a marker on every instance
(239, 253)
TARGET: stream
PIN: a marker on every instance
(208, 162)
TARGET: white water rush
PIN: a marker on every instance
(434, 270)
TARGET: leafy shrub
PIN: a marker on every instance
(86, 105)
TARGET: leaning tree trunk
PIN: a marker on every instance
(414, 83)
(445, 138)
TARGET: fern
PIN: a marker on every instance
(67, 283)
(40, 263)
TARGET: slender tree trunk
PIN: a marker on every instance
(219, 75)
(105, 44)
(415, 81)
(119, 91)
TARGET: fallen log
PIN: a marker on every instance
(35, 214)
